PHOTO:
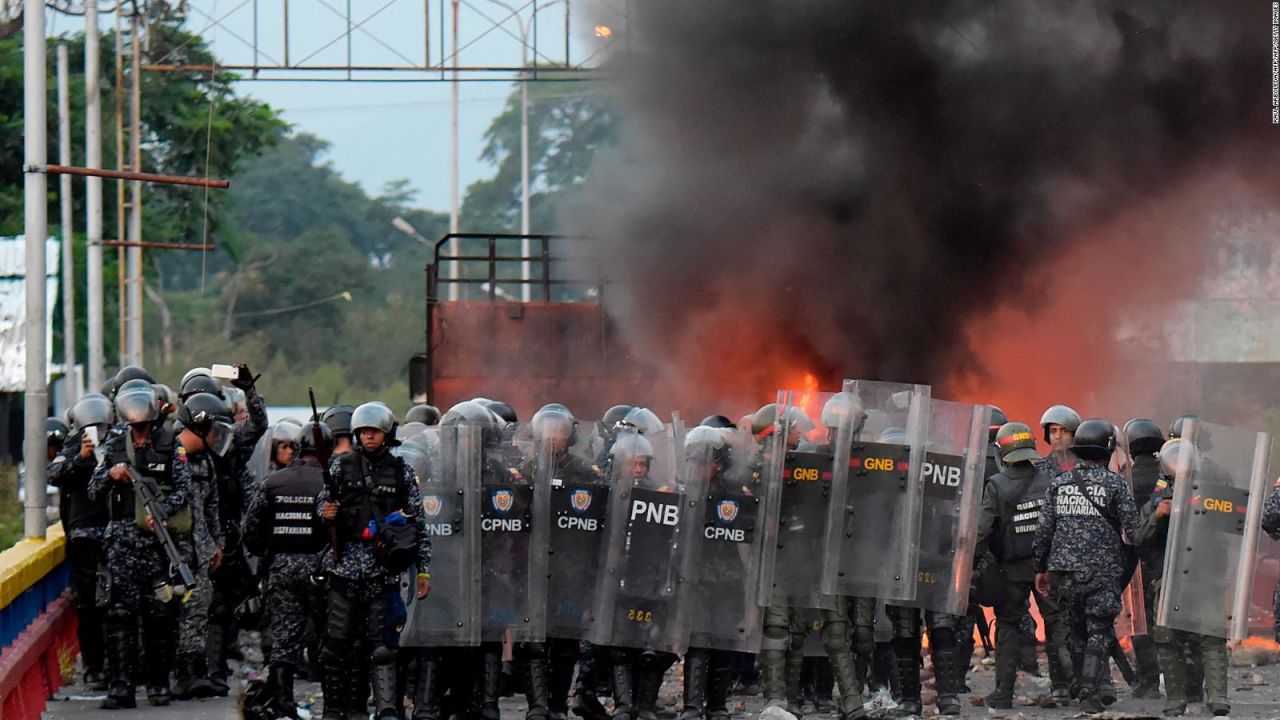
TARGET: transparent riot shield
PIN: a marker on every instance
(1132, 619)
(724, 614)
(1219, 488)
(513, 541)
(450, 502)
(261, 463)
(874, 524)
(802, 461)
(954, 465)
(644, 583)
(576, 494)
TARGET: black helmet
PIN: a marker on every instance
(56, 431)
(131, 372)
(717, 421)
(200, 384)
(206, 415)
(338, 418)
(1094, 440)
(998, 420)
(92, 409)
(307, 439)
(502, 410)
(614, 415)
(192, 373)
(1144, 437)
(425, 414)
(1176, 427)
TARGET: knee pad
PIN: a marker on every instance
(864, 640)
(942, 638)
(905, 621)
(383, 655)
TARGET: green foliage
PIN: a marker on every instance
(11, 518)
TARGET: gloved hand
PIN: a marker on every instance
(246, 379)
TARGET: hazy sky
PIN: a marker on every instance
(380, 131)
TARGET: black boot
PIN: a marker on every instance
(717, 691)
(1144, 649)
(624, 704)
(535, 691)
(1091, 668)
(121, 639)
(647, 683)
(906, 676)
(695, 683)
(280, 680)
(386, 703)
(428, 688)
(490, 683)
(586, 704)
(214, 653)
(334, 685)
(947, 678)
(560, 680)
(160, 635)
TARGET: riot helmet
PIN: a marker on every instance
(613, 416)
(206, 415)
(762, 422)
(307, 439)
(504, 411)
(717, 421)
(705, 441)
(469, 412)
(200, 384)
(1059, 415)
(338, 418)
(136, 403)
(192, 373)
(237, 401)
(1169, 454)
(1015, 443)
(634, 448)
(373, 415)
(1176, 428)
(998, 420)
(1094, 440)
(643, 420)
(130, 372)
(56, 431)
(425, 414)
(1143, 437)
(285, 433)
(554, 426)
(841, 409)
(92, 409)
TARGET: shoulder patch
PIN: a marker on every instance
(181, 452)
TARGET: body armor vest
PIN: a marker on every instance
(1021, 500)
(153, 460)
(370, 489)
(1145, 473)
(292, 494)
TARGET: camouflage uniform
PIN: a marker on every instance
(1176, 650)
(207, 537)
(1083, 549)
(364, 597)
(137, 565)
(1271, 526)
(86, 525)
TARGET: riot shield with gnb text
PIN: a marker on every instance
(1219, 487)
(874, 527)
(803, 461)
(451, 508)
(643, 585)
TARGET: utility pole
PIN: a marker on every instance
(93, 198)
(35, 189)
(68, 256)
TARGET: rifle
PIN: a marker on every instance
(1122, 662)
(984, 632)
(150, 492)
(323, 453)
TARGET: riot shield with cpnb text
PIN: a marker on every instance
(577, 497)
(723, 613)
(954, 465)
(875, 515)
(449, 616)
(1220, 484)
(513, 542)
(802, 461)
(644, 583)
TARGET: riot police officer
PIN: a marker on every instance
(1144, 440)
(1011, 504)
(138, 587)
(206, 432)
(85, 521)
(425, 414)
(1059, 424)
(1083, 537)
(281, 527)
(1174, 648)
(378, 513)
(338, 418)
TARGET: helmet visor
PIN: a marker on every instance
(137, 406)
(219, 437)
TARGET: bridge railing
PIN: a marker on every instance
(38, 644)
